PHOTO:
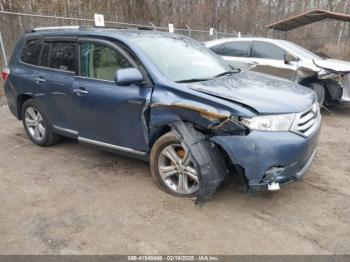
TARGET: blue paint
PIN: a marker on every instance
(134, 115)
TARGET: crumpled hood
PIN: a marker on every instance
(266, 94)
(333, 64)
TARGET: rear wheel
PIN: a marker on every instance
(172, 167)
(36, 125)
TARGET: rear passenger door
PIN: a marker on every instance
(109, 115)
(58, 64)
(237, 53)
(269, 59)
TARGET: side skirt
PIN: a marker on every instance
(65, 132)
(124, 151)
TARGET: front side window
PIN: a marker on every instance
(267, 50)
(100, 61)
(237, 48)
(180, 58)
(31, 52)
(62, 56)
(300, 51)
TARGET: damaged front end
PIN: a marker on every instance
(268, 159)
(332, 75)
(337, 85)
(220, 142)
(244, 124)
(273, 158)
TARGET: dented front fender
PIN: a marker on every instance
(203, 111)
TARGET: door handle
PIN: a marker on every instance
(39, 80)
(80, 91)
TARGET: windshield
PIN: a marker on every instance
(181, 59)
(300, 51)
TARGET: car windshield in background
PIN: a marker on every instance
(181, 59)
(300, 50)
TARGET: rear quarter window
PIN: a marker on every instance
(31, 52)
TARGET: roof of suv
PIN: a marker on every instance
(98, 31)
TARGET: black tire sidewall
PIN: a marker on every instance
(320, 92)
(165, 140)
(35, 104)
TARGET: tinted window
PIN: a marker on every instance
(31, 52)
(217, 49)
(267, 50)
(45, 53)
(63, 56)
(100, 61)
(237, 48)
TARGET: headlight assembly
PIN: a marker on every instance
(270, 122)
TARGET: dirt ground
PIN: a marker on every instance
(69, 199)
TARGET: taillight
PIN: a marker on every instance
(5, 73)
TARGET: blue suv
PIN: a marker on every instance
(166, 99)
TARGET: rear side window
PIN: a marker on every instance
(62, 56)
(31, 52)
(45, 54)
(100, 61)
(267, 50)
(237, 48)
(217, 49)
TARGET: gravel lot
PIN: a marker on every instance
(69, 199)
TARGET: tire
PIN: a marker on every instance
(320, 92)
(163, 145)
(37, 126)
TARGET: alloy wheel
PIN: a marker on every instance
(35, 123)
(177, 171)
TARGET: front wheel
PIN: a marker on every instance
(320, 92)
(36, 124)
(172, 167)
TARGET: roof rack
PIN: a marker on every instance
(76, 27)
(36, 29)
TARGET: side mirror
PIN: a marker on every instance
(128, 76)
(289, 58)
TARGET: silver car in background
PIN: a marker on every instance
(329, 78)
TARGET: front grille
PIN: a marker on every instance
(307, 121)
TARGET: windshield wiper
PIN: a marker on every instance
(225, 73)
(193, 80)
(236, 70)
(229, 72)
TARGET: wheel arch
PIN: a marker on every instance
(20, 101)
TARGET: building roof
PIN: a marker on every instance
(307, 18)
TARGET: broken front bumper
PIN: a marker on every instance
(267, 157)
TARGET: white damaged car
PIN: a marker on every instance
(329, 78)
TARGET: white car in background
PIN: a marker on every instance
(329, 78)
